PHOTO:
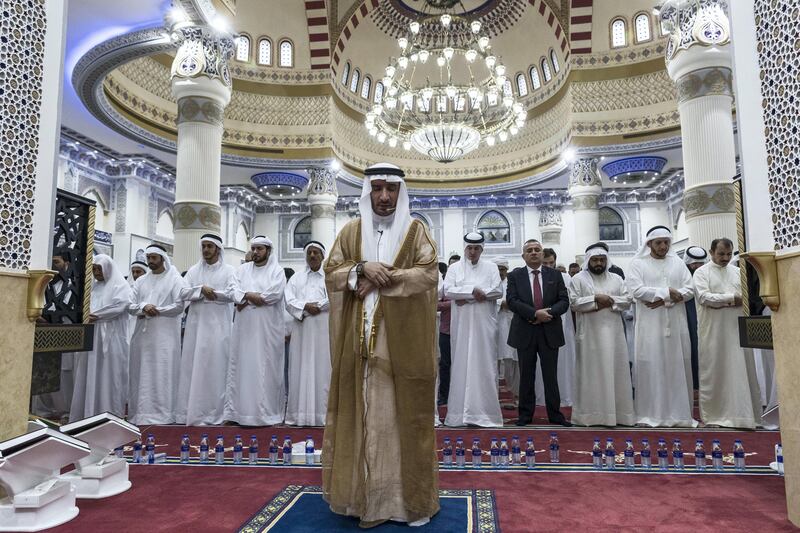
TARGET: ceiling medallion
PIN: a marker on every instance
(446, 92)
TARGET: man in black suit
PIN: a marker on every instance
(538, 297)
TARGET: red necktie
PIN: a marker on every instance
(537, 291)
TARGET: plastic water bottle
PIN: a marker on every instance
(119, 452)
(494, 452)
(630, 455)
(287, 450)
(219, 450)
(204, 448)
(503, 453)
(150, 448)
(699, 455)
(447, 453)
(530, 454)
(309, 450)
(273, 450)
(137, 450)
(677, 454)
(716, 456)
(779, 457)
(647, 460)
(516, 454)
(663, 460)
(611, 454)
(554, 448)
(476, 453)
(237, 449)
(738, 456)
(185, 449)
(597, 454)
(252, 450)
(461, 453)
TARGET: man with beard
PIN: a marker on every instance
(255, 393)
(101, 375)
(474, 286)
(309, 350)
(206, 338)
(379, 458)
(694, 257)
(603, 394)
(659, 283)
(729, 393)
(156, 342)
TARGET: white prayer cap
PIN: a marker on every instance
(695, 254)
(385, 171)
(656, 232)
(261, 240)
(501, 262)
(473, 237)
(160, 250)
(315, 244)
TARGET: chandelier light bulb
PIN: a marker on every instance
(471, 55)
(520, 122)
(414, 27)
(370, 116)
(387, 81)
(473, 93)
(402, 42)
(475, 26)
(427, 93)
(390, 70)
(517, 107)
(406, 145)
(500, 80)
(483, 42)
(448, 53)
(373, 132)
(490, 140)
(406, 98)
(450, 91)
(514, 130)
(377, 109)
(445, 20)
(440, 61)
(390, 102)
(423, 56)
(490, 61)
(381, 137)
(392, 141)
(402, 62)
(414, 57)
(500, 70)
(503, 136)
(508, 101)
(392, 90)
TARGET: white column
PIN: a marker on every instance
(699, 62)
(202, 89)
(585, 187)
(322, 197)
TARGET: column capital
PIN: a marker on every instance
(550, 223)
(202, 52)
(584, 180)
(322, 181)
(701, 25)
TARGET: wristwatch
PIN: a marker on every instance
(360, 269)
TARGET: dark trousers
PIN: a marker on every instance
(527, 378)
(444, 367)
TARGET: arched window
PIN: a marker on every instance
(536, 82)
(366, 85)
(286, 58)
(494, 227)
(612, 227)
(377, 96)
(522, 85)
(302, 233)
(507, 91)
(421, 218)
(354, 80)
(242, 241)
(164, 226)
(243, 48)
(618, 37)
(554, 61)
(642, 25)
(264, 51)
(345, 73)
(546, 70)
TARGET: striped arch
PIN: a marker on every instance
(318, 35)
(580, 26)
(369, 5)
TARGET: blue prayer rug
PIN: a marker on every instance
(301, 509)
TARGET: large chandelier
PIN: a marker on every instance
(446, 92)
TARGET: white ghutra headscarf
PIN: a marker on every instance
(656, 232)
(395, 225)
(113, 285)
(695, 254)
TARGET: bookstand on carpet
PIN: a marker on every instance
(101, 474)
(29, 467)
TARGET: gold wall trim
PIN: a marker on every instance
(769, 286)
(37, 282)
(63, 338)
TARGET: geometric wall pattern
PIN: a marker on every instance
(22, 30)
(777, 31)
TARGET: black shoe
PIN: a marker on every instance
(521, 422)
(562, 422)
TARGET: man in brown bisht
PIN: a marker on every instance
(379, 449)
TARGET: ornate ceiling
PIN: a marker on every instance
(283, 118)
